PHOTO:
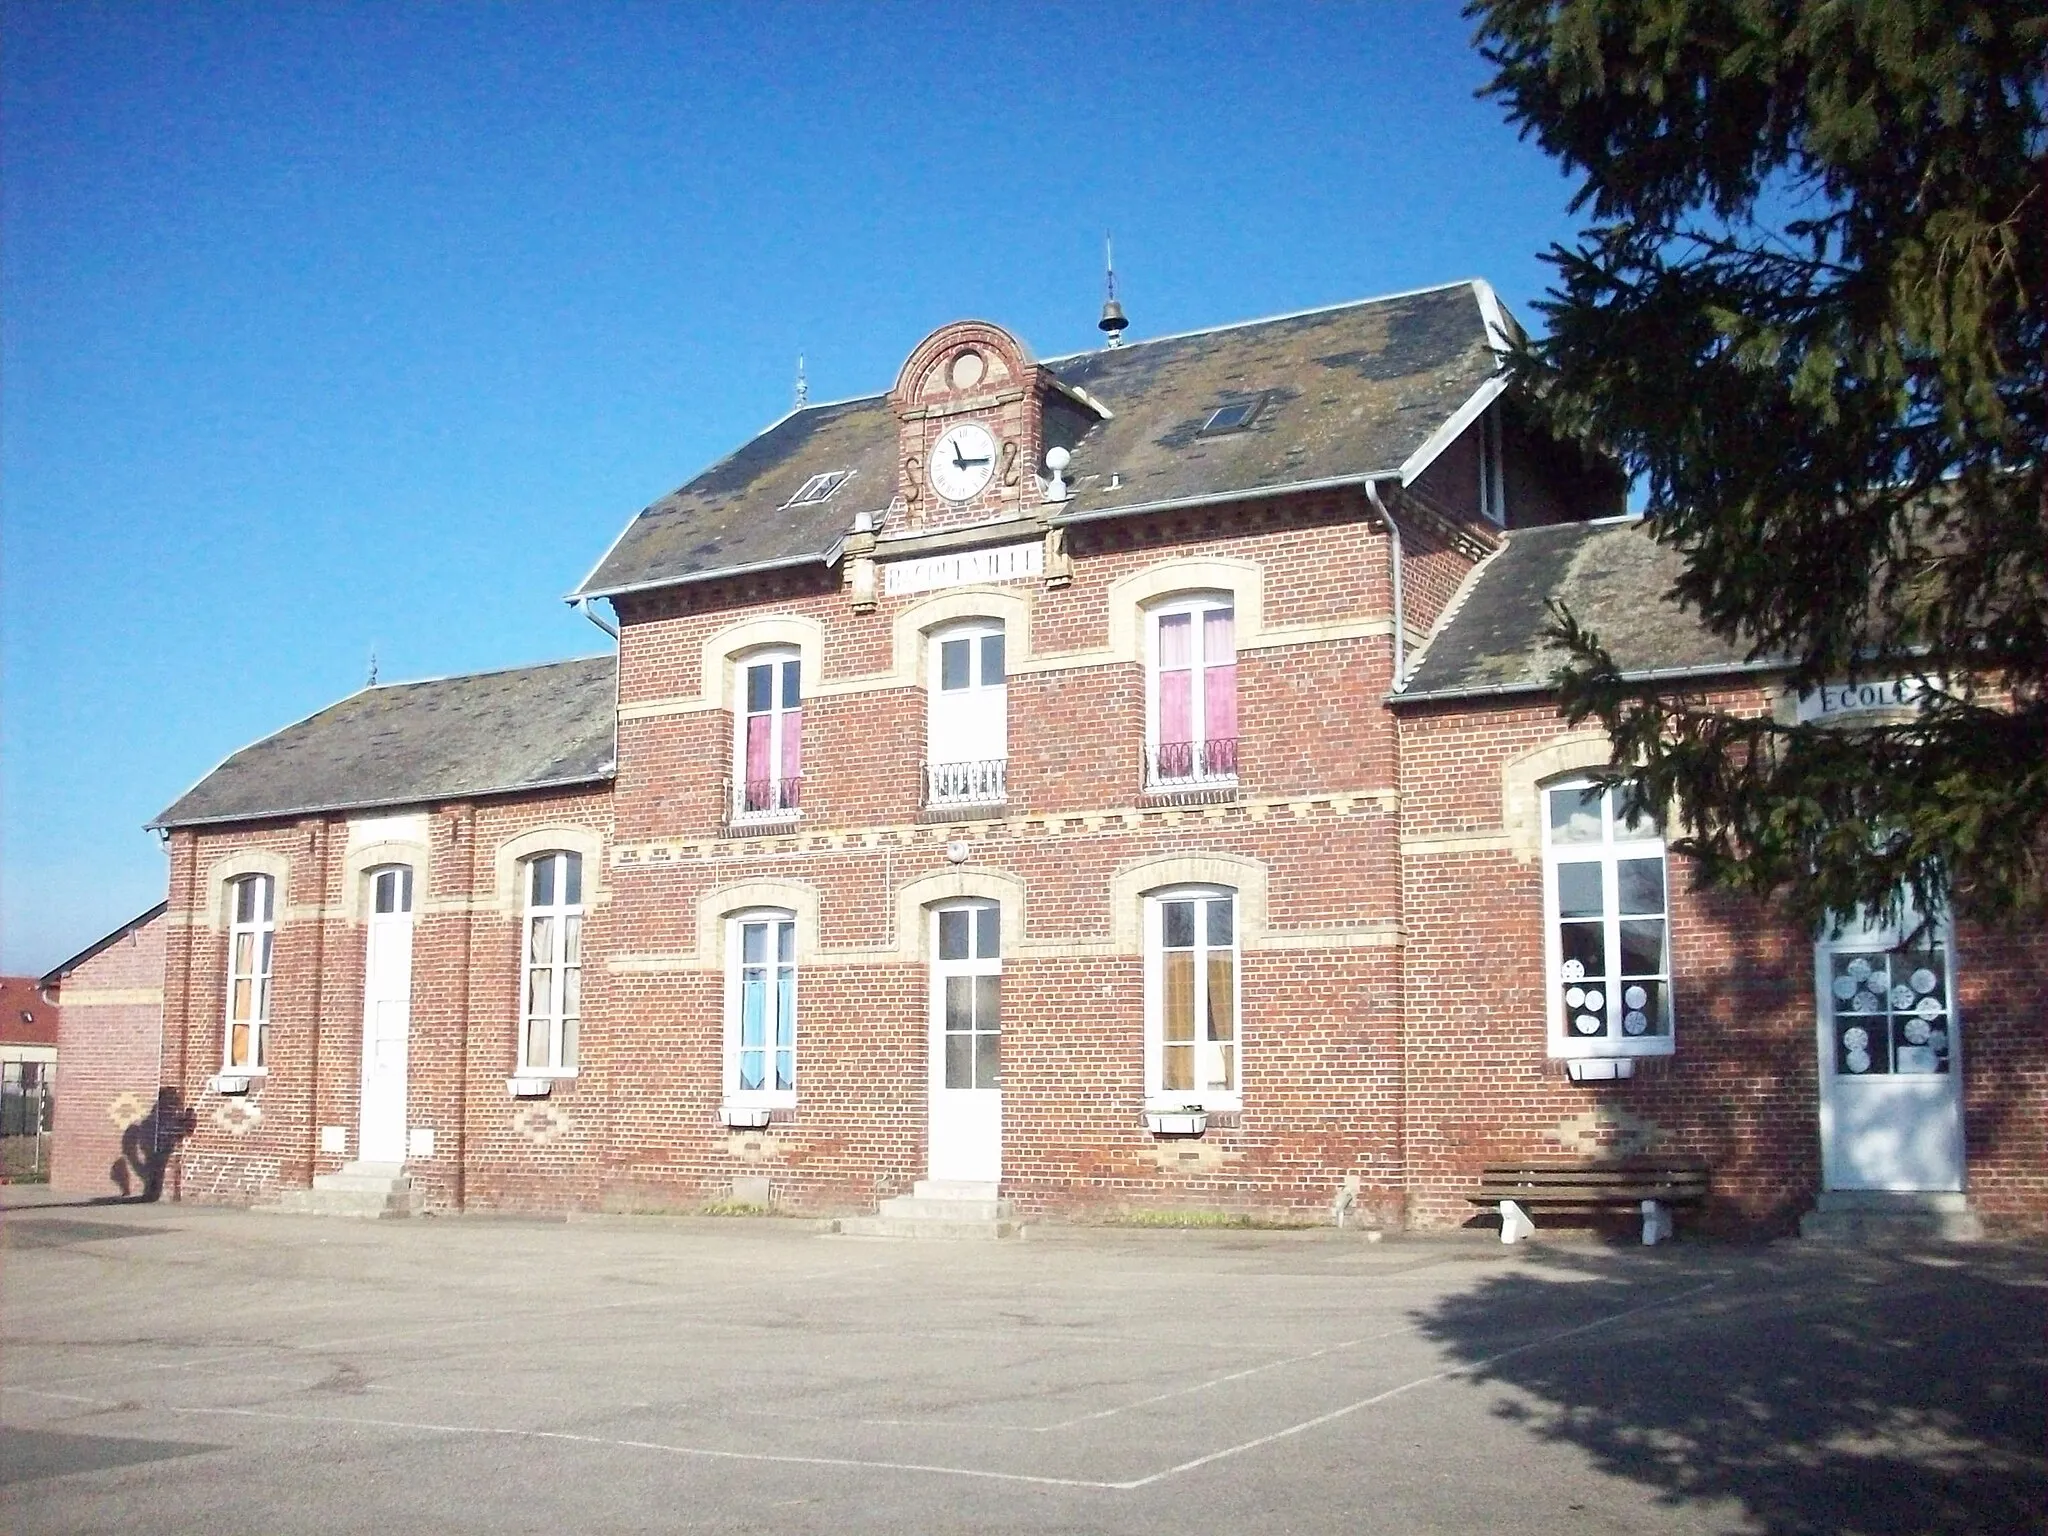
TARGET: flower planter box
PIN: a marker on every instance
(1176, 1122)
(745, 1117)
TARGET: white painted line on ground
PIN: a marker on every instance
(1408, 1386)
(856, 1463)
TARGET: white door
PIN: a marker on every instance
(1890, 1061)
(387, 1016)
(968, 734)
(966, 1121)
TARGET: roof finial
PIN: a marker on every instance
(1112, 320)
(373, 669)
(803, 386)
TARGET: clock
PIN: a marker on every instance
(963, 460)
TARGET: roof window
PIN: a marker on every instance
(1233, 417)
(819, 488)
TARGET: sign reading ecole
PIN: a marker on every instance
(1009, 562)
(1840, 701)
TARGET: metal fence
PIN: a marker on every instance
(28, 1110)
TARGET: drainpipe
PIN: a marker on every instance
(583, 607)
(1372, 492)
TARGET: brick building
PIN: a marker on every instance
(1117, 781)
(110, 1040)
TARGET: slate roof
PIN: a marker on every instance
(408, 743)
(1616, 580)
(1347, 392)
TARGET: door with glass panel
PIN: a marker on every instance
(387, 1015)
(1890, 1072)
(966, 1116)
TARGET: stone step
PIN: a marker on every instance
(927, 1227)
(954, 1189)
(360, 1182)
(361, 1204)
(1889, 1218)
(919, 1208)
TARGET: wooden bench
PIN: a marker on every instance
(1652, 1185)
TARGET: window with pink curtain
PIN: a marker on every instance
(772, 737)
(1196, 694)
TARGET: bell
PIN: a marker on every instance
(1112, 320)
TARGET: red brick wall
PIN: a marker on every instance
(464, 1010)
(1742, 1087)
(107, 1054)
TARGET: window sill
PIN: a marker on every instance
(964, 810)
(538, 1084)
(757, 1114)
(237, 1080)
(762, 826)
(1189, 792)
(1609, 1050)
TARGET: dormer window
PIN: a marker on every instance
(1233, 417)
(819, 488)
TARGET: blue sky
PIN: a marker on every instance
(336, 327)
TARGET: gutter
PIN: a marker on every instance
(1216, 498)
(1650, 675)
(1372, 494)
(600, 776)
(820, 557)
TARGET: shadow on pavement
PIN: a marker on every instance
(1825, 1392)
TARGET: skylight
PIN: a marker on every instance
(1228, 418)
(819, 488)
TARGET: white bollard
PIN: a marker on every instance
(1656, 1223)
(1514, 1223)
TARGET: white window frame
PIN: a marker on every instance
(976, 781)
(261, 932)
(1614, 848)
(563, 1055)
(973, 965)
(1157, 1096)
(767, 1096)
(1194, 605)
(777, 657)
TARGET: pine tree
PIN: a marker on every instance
(1808, 316)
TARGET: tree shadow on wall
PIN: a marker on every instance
(1825, 1391)
(147, 1145)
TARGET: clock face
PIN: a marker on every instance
(962, 461)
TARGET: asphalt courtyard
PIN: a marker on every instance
(174, 1368)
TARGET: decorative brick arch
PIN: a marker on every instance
(923, 379)
(720, 902)
(1005, 890)
(244, 861)
(1245, 876)
(1521, 778)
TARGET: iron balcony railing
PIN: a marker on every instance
(1191, 764)
(763, 799)
(976, 783)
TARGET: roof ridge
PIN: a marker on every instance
(1292, 314)
(457, 677)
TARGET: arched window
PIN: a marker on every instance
(768, 736)
(1191, 997)
(1608, 940)
(967, 734)
(252, 935)
(760, 1008)
(1191, 692)
(553, 947)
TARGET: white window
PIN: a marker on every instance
(554, 964)
(818, 488)
(1609, 941)
(1191, 998)
(1191, 693)
(252, 934)
(768, 743)
(967, 734)
(760, 1008)
(969, 973)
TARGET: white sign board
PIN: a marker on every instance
(1009, 562)
(1837, 701)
